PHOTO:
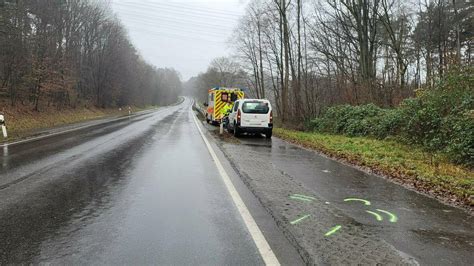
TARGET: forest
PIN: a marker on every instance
(74, 53)
(309, 55)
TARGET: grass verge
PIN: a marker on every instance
(405, 164)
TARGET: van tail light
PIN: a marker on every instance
(271, 117)
(239, 116)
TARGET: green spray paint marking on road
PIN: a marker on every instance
(333, 230)
(303, 196)
(299, 219)
(377, 216)
(393, 217)
(300, 198)
(366, 202)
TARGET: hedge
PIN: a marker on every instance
(439, 119)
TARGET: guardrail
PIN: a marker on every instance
(202, 110)
(199, 108)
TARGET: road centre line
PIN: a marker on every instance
(259, 239)
(124, 117)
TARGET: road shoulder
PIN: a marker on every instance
(285, 251)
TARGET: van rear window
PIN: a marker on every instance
(255, 107)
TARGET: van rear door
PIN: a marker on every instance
(255, 114)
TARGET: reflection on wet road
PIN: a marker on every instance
(141, 191)
(145, 190)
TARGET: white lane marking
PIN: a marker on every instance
(71, 130)
(86, 126)
(262, 245)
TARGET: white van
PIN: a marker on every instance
(252, 116)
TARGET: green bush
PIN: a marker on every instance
(387, 124)
(362, 120)
(422, 123)
(460, 133)
(439, 119)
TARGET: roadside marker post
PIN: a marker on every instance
(2, 124)
(221, 128)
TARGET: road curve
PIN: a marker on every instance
(138, 191)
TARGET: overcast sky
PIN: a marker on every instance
(183, 34)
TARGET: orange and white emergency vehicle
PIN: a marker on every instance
(219, 101)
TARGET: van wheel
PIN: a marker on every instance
(268, 134)
(229, 129)
(236, 131)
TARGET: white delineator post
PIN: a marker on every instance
(4, 128)
(221, 128)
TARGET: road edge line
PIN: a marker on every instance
(263, 247)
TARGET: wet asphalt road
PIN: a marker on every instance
(144, 190)
(138, 191)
